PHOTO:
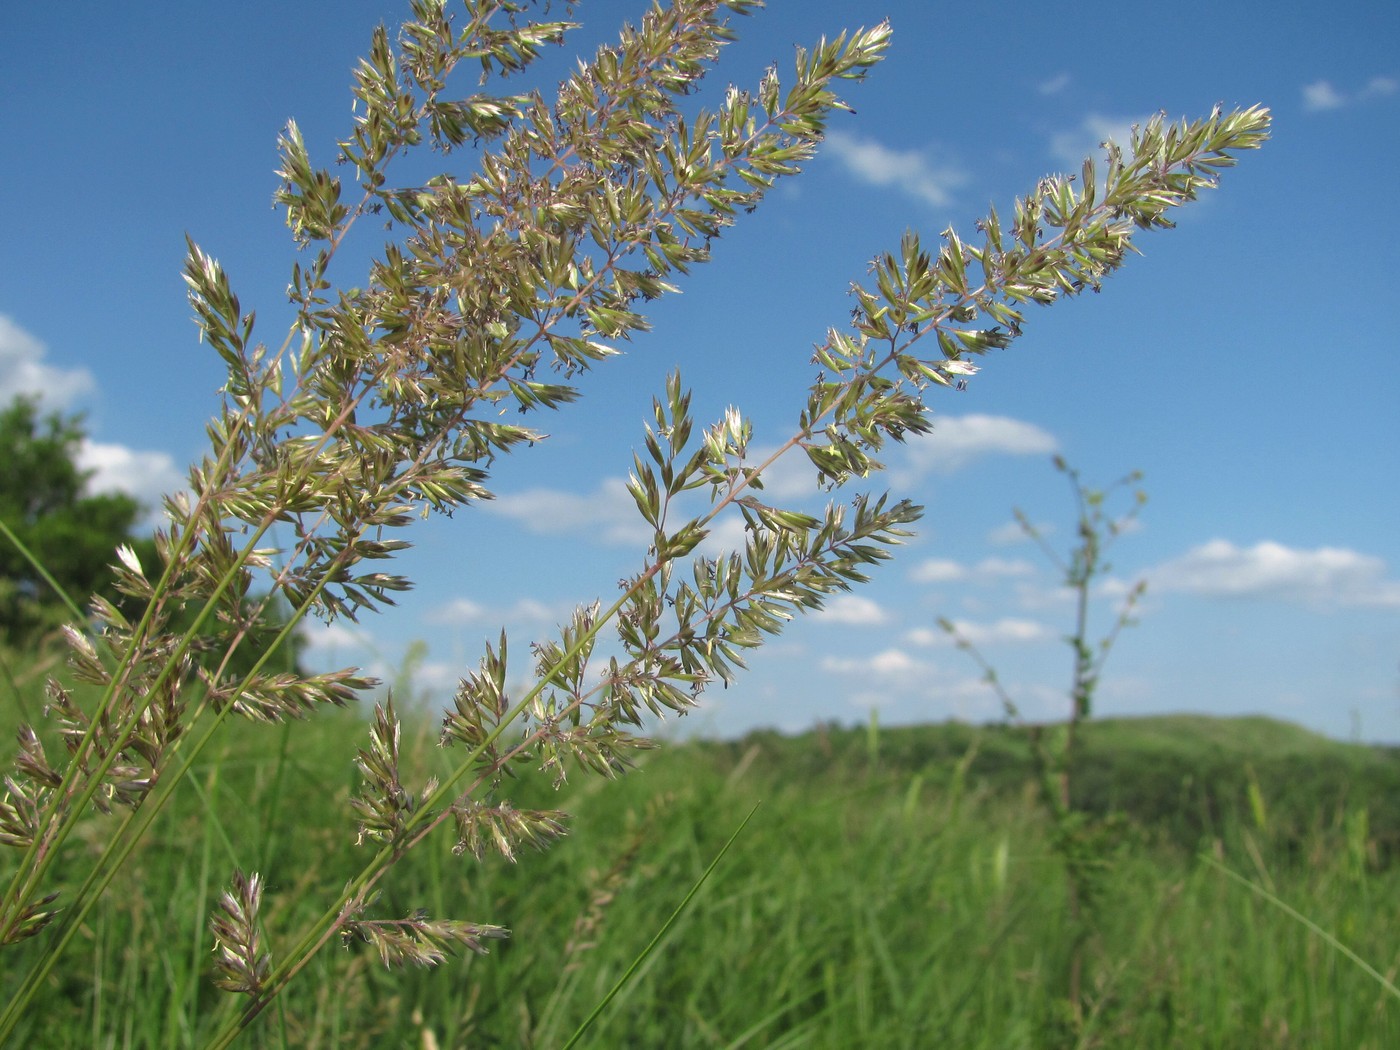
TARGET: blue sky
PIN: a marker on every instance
(1247, 364)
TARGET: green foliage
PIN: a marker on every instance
(1180, 778)
(858, 909)
(503, 281)
(43, 504)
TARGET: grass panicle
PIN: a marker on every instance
(528, 262)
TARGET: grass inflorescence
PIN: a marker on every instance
(180, 870)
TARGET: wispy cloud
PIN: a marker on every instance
(607, 514)
(1000, 567)
(1072, 146)
(910, 171)
(1013, 533)
(942, 570)
(852, 609)
(888, 664)
(1006, 631)
(791, 477)
(893, 680)
(1320, 96)
(727, 535)
(1378, 87)
(462, 611)
(939, 570)
(1054, 85)
(333, 638)
(436, 678)
(957, 441)
(1326, 577)
(23, 370)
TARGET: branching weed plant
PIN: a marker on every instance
(1084, 842)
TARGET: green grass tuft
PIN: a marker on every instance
(904, 905)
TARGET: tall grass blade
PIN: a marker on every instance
(38, 566)
(660, 935)
(1298, 916)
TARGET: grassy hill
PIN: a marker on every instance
(1184, 778)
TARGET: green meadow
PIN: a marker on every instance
(894, 888)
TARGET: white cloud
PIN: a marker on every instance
(933, 695)
(1127, 526)
(330, 638)
(887, 664)
(1036, 597)
(938, 570)
(727, 535)
(1321, 97)
(1054, 85)
(436, 678)
(462, 611)
(1013, 533)
(893, 680)
(1379, 86)
(907, 170)
(941, 570)
(1007, 630)
(1326, 576)
(957, 441)
(791, 482)
(145, 475)
(852, 609)
(867, 701)
(459, 610)
(1116, 588)
(1004, 567)
(607, 514)
(925, 636)
(791, 477)
(1071, 147)
(23, 371)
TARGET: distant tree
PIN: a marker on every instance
(44, 501)
(74, 534)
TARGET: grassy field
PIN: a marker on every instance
(894, 889)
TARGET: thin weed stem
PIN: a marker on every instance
(636, 964)
(1293, 913)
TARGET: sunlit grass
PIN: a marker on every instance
(863, 906)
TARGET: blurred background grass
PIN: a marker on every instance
(896, 888)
